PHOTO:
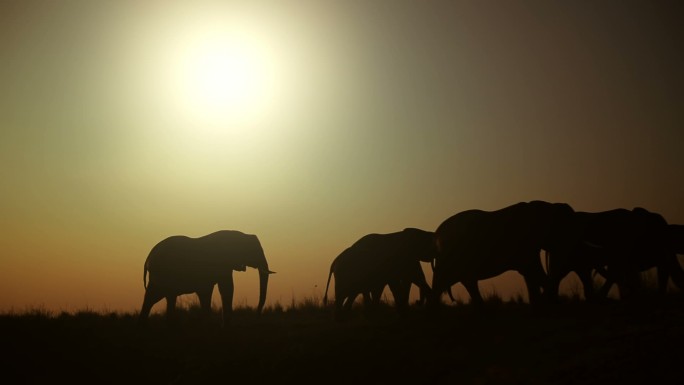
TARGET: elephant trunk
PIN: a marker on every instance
(433, 298)
(263, 286)
(258, 261)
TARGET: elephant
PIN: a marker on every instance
(183, 265)
(377, 260)
(583, 258)
(675, 235)
(474, 245)
(623, 244)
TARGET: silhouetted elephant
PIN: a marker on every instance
(623, 244)
(474, 245)
(377, 260)
(584, 259)
(182, 265)
(676, 238)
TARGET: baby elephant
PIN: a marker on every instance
(377, 260)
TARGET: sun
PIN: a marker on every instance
(224, 74)
(226, 77)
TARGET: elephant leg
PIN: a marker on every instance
(587, 284)
(552, 290)
(226, 288)
(339, 302)
(675, 270)
(556, 272)
(400, 291)
(423, 286)
(205, 300)
(152, 296)
(367, 302)
(555, 276)
(620, 280)
(343, 304)
(533, 291)
(474, 292)
(349, 302)
(451, 294)
(536, 280)
(422, 297)
(663, 279)
(605, 288)
(170, 308)
(631, 284)
(376, 296)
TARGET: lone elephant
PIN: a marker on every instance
(183, 265)
(474, 245)
(377, 260)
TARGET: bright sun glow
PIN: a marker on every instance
(224, 74)
(226, 78)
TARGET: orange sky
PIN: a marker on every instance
(116, 130)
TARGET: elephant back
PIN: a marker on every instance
(536, 224)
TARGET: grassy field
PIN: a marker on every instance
(502, 343)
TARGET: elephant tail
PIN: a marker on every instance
(145, 275)
(325, 296)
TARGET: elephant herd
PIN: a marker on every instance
(465, 248)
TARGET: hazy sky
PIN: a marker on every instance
(313, 123)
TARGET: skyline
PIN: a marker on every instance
(374, 118)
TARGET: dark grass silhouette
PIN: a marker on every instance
(503, 342)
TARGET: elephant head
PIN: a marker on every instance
(253, 256)
(556, 225)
